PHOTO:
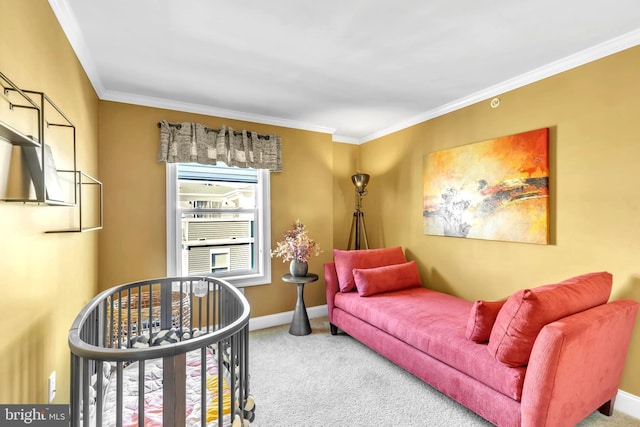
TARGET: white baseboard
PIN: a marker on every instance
(278, 319)
(626, 403)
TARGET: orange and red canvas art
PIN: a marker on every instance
(496, 189)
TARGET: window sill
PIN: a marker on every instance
(249, 280)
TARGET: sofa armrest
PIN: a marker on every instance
(576, 364)
(332, 287)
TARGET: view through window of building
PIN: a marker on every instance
(219, 216)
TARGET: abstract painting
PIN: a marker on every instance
(496, 189)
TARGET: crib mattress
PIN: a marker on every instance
(153, 394)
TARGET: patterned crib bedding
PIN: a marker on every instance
(153, 394)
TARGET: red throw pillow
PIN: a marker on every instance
(371, 281)
(346, 261)
(481, 319)
(527, 311)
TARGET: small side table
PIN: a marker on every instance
(300, 323)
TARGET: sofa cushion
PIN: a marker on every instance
(434, 323)
(371, 281)
(481, 319)
(346, 261)
(527, 311)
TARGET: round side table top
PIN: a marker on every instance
(310, 277)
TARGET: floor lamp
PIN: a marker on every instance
(358, 230)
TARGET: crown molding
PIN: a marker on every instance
(345, 139)
(585, 56)
(169, 104)
(69, 25)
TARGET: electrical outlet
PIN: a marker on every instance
(52, 386)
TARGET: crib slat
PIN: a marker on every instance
(165, 306)
(141, 375)
(181, 311)
(232, 369)
(191, 325)
(101, 324)
(112, 319)
(208, 304)
(220, 357)
(119, 335)
(86, 379)
(214, 292)
(150, 316)
(200, 314)
(119, 391)
(174, 390)
(245, 367)
(99, 392)
(128, 337)
(75, 390)
(203, 387)
(139, 322)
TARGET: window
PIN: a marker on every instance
(218, 223)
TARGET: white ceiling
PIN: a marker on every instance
(357, 69)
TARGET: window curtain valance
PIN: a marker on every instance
(188, 142)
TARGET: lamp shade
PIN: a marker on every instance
(360, 180)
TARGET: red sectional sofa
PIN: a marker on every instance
(547, 356)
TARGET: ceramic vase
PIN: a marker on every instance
(298, 268)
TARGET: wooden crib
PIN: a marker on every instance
(170, 351)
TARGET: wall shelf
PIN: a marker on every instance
(15, 137)
(83, 181)
(9, 132)
(37, 157)
(40, 161)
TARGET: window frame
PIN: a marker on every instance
(262, 222)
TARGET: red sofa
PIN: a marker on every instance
(546, 356)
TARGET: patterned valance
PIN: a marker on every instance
(188, 142)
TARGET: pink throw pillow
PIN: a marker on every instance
(346, 261)
(527, 311)
(371, 281)
(481, 319)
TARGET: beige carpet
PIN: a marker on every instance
(320, 380)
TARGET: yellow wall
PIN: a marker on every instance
(345, 164)
(45, 279)
(133, 242)
(593, 113)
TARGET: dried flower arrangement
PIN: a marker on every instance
(297, 245)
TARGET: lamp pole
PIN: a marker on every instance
(358, 229)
